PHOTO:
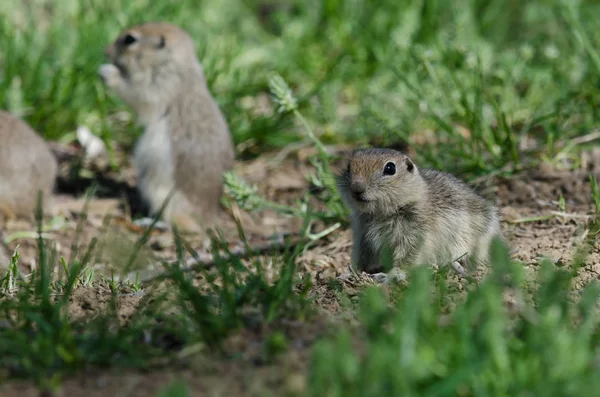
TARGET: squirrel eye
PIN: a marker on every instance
(389, 169)
(348, 169)
(129, 40)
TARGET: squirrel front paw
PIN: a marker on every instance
(109, 74)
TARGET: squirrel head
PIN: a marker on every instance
(150, 63)
(380, 181)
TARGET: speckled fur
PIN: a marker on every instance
(27, 166)
(186, 146)
(422, 216)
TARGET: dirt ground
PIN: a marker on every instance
(534, 193)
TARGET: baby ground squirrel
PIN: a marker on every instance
(422, 216)
(27, 166)
(186, 145)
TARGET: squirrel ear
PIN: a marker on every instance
(410, 166)
(161, 42)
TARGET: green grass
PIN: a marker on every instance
(356, 71)
(360, 70)
(40, 342)
(479, 349)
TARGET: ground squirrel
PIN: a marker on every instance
(27, 166)
(186, 146)
(422, 216)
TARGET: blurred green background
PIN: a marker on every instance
(478, 76)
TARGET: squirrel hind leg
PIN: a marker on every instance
(179, 213)
(194, 223)
(186, 223)
(26, 207)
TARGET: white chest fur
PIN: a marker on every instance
(154, 164)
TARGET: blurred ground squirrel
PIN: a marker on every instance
(27, 166)
(422, 216)
(186, 146)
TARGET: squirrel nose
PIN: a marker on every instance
(358, 187)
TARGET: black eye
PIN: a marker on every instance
(348, 169)
(389, 169)
(129, 40)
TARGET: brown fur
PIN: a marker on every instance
(26, 166)
(187, 145)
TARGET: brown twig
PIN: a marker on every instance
(205, 260)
